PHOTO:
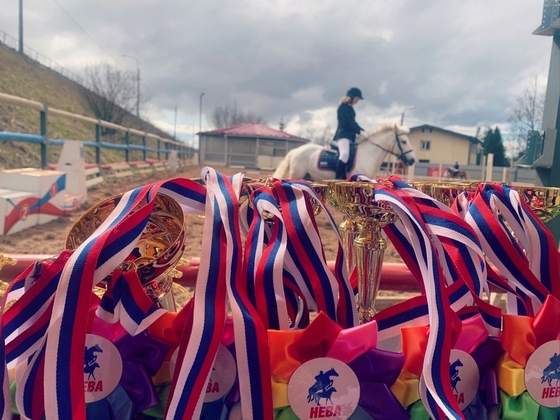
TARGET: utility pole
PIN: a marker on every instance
(21, 27)
(137, 84)
(175, 128)
(402, 115)
(200, 118)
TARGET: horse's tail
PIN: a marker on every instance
(283, 169)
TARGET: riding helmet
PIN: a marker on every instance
(352, 92)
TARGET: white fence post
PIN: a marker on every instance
(489, 166)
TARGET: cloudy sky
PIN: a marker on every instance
(449, 63)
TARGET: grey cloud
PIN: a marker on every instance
(454, 61)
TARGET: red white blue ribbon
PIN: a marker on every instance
(220, 264)
(459, 249)
(501, 247)
(435, 368)
(51, 383)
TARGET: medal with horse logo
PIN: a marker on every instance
(542, 374)
(465, 378)
(102, 368)
(324, 388)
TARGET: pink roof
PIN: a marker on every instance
(255, 130)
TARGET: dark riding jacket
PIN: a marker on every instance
(347, 125)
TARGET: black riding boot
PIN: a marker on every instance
(341, 170)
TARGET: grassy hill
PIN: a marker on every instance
(24, 77)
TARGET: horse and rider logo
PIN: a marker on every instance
(90, 360)
(552, 371)
(323, 387)
(465, 378)
(102, 368)
(542, 374)
(454, 373)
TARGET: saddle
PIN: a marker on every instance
(328, 158)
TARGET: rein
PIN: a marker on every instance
(400, 155)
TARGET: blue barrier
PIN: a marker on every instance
(38, 139)
(183, 151)
(29, 138)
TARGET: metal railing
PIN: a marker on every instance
(12, 42)
(162, 145)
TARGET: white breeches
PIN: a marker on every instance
(343, 149)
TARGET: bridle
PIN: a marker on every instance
(398, 141)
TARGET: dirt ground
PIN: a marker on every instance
(50, 238)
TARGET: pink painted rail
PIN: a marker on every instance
(394, 276)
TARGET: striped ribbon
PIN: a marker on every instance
(460, 206)
(435, 370)
(284, 260)
(221, 263)
(501, 247)
(460, 254)
(330, 292)
(51, 382)
(31, 297)
(539, 243)
(422, 251)
(346, 308)
(265, 259)
(126, 301)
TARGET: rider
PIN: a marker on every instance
(455, 169)
(347, 129)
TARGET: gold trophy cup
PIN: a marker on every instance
(348, 228)
(357, 201)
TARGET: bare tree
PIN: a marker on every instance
(322, 137)
(230, 115)
(527, 115)
(111, 93)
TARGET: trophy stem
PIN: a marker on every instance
(349, 231)
(369, 250)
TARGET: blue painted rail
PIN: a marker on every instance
(163, 146)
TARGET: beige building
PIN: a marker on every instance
(438, 145)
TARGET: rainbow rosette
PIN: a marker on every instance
(522, 335)
(142, 356)
(473, 339)
(485, 350)
(376, 370)
(406, 386)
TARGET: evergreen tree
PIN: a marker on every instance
(493, 143)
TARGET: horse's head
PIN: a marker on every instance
(394, 140)
(457, 363)
(405, 152)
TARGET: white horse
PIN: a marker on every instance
(371, 151)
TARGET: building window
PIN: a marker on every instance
(425, 144)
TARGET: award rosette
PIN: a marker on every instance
(140, 357)
(325, 371)
(222, 390)
(527, 372)
(117, 369)
(470, 369)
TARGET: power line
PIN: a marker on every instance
(82, 29)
